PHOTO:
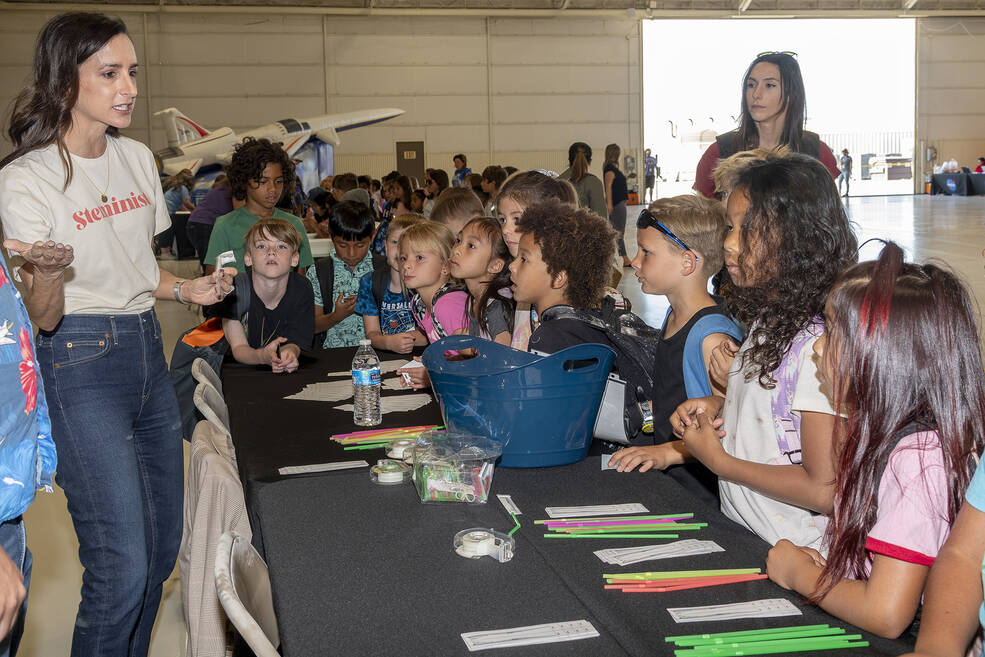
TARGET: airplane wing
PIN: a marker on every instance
(173, 166)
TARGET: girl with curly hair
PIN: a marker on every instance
(789, 239)
(900, 356)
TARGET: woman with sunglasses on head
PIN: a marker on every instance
(73, 180)
(772, 115)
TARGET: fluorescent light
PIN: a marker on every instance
(909, 4)
(744, 4)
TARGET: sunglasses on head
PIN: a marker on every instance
(647, 220)
(788, 53)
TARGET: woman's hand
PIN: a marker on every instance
(681, 418)
(702, 440)
(786, 562)
(203, 290)
(48, 259)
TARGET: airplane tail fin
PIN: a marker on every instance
(179, 128)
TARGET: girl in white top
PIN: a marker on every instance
(81, 205)
(789, 239)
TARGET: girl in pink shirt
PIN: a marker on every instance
(440, 306)
(900, 357)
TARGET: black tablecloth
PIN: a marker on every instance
(977, 182)
(952, 184)
(270, 432)
(360, 569)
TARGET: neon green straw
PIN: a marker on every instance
(627, 529)
(773, 647)
(610, 536)
(513, 531)
(742, 633)
(674, 574)
(770, 636)
(562, 520)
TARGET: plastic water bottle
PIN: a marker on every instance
(366, 411)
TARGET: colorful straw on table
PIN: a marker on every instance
(620, 526)
(773, 640)
(678, 580)
(376, 438)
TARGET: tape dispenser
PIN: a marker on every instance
(478, 542)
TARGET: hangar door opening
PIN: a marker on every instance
(858, 74)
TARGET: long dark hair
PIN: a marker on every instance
(797, 229)
(903, 341)
(42, 113)
(794, 102)
(498, 286)
(579, 158)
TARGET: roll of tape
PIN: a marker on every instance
(476, 543)
(390, 472)
(401, 448)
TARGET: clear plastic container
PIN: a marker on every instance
(454, 467)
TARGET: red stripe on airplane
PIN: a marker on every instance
(201, 131)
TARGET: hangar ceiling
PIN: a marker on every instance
(645, 8)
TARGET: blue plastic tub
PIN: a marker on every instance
(542, 408)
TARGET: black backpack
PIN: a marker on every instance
(325, 270)
(631, 381)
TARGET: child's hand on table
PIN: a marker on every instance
(418, 375)
(682, 417)
(785, 562)
(646, 457)
(401, 343)
(287, 361)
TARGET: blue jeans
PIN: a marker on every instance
(116, 425)
(13, 541)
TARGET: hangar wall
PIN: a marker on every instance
(506, 90)
(511, 91)
(951, 89)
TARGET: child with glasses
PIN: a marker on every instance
(788, 240)
(680, 246)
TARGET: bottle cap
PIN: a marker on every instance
(365, 342)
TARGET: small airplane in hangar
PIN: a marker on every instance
(192, 147)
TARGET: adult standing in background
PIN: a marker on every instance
(591, 193)
(846, 170)
(616, 195)
(462, 171)
(217, 202)
(772, 115)
(73, 179)
(649, 176)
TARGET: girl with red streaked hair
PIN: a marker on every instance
(901, 359)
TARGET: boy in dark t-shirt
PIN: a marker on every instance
(681, 242)
(280, 321)
(564, 259)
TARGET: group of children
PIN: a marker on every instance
(833, 408)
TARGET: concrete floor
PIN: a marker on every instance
(950, 229)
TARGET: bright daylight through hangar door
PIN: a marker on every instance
(858, 73)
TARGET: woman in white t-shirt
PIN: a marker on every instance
(81, 206)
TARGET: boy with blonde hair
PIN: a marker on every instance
(681, 245)
(280, 321)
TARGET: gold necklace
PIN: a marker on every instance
(102, 193)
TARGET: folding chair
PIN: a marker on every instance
(243, 585)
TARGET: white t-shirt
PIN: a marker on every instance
(114, 270)
(750, 434)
